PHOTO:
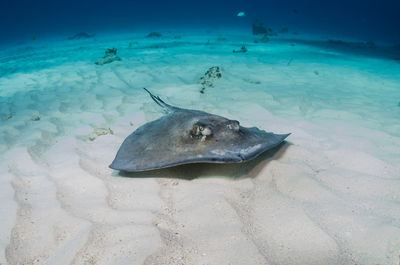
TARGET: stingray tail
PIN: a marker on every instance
(161, 103)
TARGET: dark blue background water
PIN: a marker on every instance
(369, 20)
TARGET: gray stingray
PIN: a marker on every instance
(186, 136)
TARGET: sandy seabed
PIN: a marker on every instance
(329, 195)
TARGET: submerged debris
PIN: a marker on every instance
(81, 35)
(98, 132)
(242, 49)
(109, 57)
(154, 35)
(212, 74)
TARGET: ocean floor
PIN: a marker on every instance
(329, 195)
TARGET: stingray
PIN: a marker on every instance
(185, 136)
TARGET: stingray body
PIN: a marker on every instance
(184, 136)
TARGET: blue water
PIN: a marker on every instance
(366, 20)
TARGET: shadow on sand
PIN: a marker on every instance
(248, 169)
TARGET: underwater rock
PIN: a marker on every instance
(339, 42)
(99, 132)
(154, 35)
(241, 50)
(370, 44)
(264, 39)
(259, 28)
(362, 45)
(109, 57)
(111, 51)
(35, 118)
(81, 35)
(271, 32)
(212, 74)
(131, 44)
(255, 82)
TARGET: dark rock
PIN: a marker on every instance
(340, 42)
(284, 30)
(154, 35)
(111, 51)
(81, 35)
(259, 28)
(109, 57)
(35, 118)
(264, 39)
(242, 49)
(271, 32)
(370, 44)
(212, 74)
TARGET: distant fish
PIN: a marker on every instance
(241, 14)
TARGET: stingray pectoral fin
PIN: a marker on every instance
(268, 141)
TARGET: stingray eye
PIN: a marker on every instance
(195, 130)
(200, 131)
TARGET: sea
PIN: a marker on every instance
(72, 75)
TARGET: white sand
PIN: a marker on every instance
(331, 195)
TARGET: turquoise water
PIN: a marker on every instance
(329, 195)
